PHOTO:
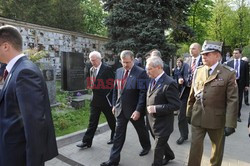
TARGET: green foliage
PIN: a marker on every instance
(27, 10)
(75, 15)
(67, 14)
(183, 48)
(199, 15)
(246, 51)
(34, 55)
(66, 119)
(140, 25)
(93, 18)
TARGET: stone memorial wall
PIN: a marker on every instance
(56, 41)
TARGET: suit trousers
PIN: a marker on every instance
(120, 135)
(240, 92)
(182, 120)
(217, 139)
(94, 120)
(246, 96)
(162, 149)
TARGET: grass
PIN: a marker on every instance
(67, 119)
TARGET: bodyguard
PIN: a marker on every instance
(212, 105)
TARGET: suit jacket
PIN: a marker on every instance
(218, 103)
(166, 100)
(187, 76)
(133, 96)
(27, 136)
(103, 85)
(244, 73)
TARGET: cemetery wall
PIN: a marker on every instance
(56, 41)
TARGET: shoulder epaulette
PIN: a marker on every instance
(228, 67)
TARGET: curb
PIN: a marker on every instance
(77, 136)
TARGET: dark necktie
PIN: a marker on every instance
(236, 68)
(124, 79)
(208, 72)
(153, 84)
(5, 74)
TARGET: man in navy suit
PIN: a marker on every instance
(129, 103)
(162, 101)
(185, 80)
(242, 76)
(27, 136)
(101, 82)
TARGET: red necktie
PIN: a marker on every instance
(124, 79)
(193, 66)
(5, 74)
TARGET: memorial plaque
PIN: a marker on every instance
(72, 71)
(48, 72)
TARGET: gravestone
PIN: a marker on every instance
(72, 71)
(48, 72)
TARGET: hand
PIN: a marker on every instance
(113, 110)
(229, 131)
(180, 81)
(246, 88)
(136, 115)
(188, 120)
(151, 109)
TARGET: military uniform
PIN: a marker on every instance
(212, 106)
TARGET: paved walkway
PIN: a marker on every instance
(237, 149)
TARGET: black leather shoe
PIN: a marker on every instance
(144, 152)
(83, 145)
(109, 163)
(111, 141)
(247, 104)
(181, 140)
(166, 160)
(239, 120)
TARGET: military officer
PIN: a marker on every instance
(212, 83)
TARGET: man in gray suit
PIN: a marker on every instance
(129, 103)
(162, 101)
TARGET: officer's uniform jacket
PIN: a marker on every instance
(212, 101)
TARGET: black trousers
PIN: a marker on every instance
(246, 97)
(162, 149)
(241, 88)
(120, 135)
(182, 120)
(94, 119)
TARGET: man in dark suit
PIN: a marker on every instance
(185, 80)
(27, 136)
(2, 68)
(101, 81)
(129, 103)
(242, 76)
(212, 105)
(162, 101)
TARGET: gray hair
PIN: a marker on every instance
(155, 61)
(127, 53)
(96, 54)
(155, 52)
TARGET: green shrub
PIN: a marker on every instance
(67, 119)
